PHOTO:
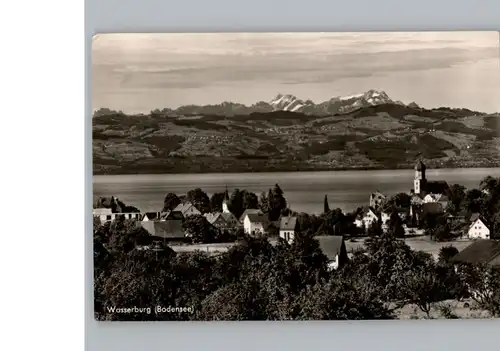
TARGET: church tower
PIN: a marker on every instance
(225, 202)
(420, 180)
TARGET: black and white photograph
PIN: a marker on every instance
(296, 176)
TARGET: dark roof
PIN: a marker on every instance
(482, 251)
(213, 217)
(420, 166)
(226, 195)
(228, 216)
(432, 207)
(473, 217)
(249, 211)
(184, 207)
(288, 223)
(436, 187)
(164, 229)
(258, 218)
(331, 245)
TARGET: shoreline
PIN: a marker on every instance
(290, 170)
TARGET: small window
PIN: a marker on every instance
(108, 217)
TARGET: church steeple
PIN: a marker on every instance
(419, 182)
(225, 202)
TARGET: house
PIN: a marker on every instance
(333, 247)
(256, 223)
(478, 230)
(231, 220)
(249, 211)
(106, 215)
(288, 226)
(216, 219)
(482, 251)
(366, 218)
(187, 209)
(168, 230)
(377, 200)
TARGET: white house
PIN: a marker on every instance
(187, 209)
(478, 230)
(255, 223)
(249, 211)
(366, 218)
(287, 228)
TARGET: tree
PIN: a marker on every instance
(395, 225)
(216, 202)
(171, 201)
(474, 200)
(277, 203)
(326, 207)
(199, 199)
(236, 203)
(250, 200)
(446, 253)
(264, 203)
(423, 286)
(375, 229)
(483, 284)
(456, 197)
(199, 229)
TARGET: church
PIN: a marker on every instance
(422, 187)
(427, 196)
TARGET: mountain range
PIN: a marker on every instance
(288, 102)
(364, 131)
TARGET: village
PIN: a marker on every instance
(407, 215)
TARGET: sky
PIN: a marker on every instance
(140, 72)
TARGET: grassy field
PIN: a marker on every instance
(420, 243)
(458, 308)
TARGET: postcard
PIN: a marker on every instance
(296, 176)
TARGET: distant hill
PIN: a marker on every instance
(367, 131)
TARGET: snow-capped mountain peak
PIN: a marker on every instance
(287, 103)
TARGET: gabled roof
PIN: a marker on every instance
(481, 251)
(164, 229)
(228, 216)
(331, 245)
(288, 223)
(213, 217)
(474, 216)
(481, 220)
(258, 218)
(250, 211)
(184, 207)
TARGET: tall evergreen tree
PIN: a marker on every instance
(326, 207)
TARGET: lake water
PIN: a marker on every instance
(304, 191)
